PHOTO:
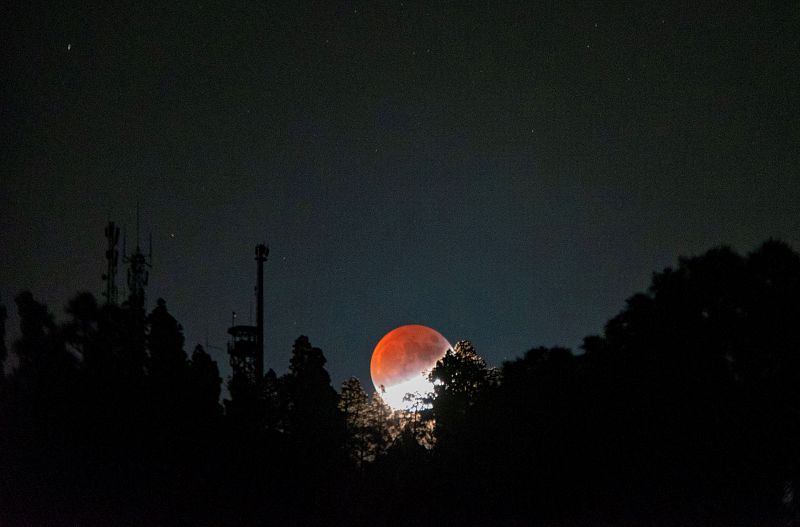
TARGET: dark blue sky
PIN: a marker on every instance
(507, 174)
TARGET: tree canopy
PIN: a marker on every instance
(685, 408)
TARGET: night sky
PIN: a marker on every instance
(506, 174)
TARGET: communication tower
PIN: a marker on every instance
(139, 266)
(246, 348)
(243, 350)
(112, 259)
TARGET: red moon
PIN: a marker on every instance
(400, 358)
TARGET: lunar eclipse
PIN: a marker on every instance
(401, 361)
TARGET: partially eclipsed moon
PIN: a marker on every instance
(401, 357)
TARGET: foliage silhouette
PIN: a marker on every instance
(354, 403)
(3, 350)
(460, 378)
(371, 425)
(685, 410)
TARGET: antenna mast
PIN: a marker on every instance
(139, 269)
(262, 251)
(112, 259)
(246, 349)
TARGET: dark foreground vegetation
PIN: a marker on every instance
(686, 411)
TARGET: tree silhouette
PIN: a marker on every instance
(384, 425)
(3, 349)
(165, 343)
(354, 404)
(40, 344)
(80, 332)
(696, 382)
(274, 401)
(38, 410)
(313, 414)
(168, 371)
(460, 379)
(530, 426)
(315, 430)
(205, 379)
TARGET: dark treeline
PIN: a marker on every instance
(685, 411)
